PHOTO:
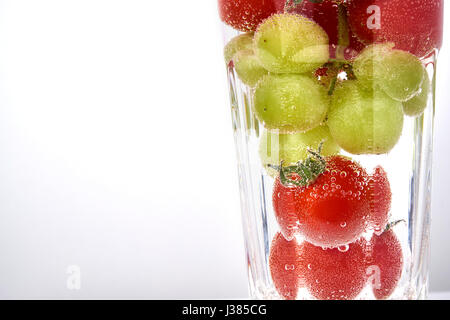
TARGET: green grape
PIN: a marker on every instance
(364, 121)
(398, 73)
(290, 43)
(292, 148)
(290, 102)
(366, 64)
(248, 67)
(417, 104)
(241, 42)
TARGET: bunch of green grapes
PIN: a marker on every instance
(364, 120)
(366, 114)
(291, 47)
(278, 62)
(357, 105)
(398, 73)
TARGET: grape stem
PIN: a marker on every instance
(336, 68)
(343, 32)
(332, 86)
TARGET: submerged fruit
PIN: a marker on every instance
(417, 105)
(248, 67)
(398, 73)
(331, 16)
(330, 211)
(284, 266)
(291, 43)
(290, 103)
(414, 26)
(241, 42)
(385, 263)
(245, 15)
(364, 121)
(379, 195)
(333, 274)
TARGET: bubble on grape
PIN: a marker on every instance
(364, 121)
(290, 103)
(291, 43)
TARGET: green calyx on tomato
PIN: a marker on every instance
(304, 172)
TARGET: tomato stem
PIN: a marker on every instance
(307, 171)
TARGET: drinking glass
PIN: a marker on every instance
(332, 106)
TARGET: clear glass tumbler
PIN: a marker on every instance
(332, 105)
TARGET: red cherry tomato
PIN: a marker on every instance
(414, 26)
(284, 201)
(245, 15)
(385, 263)
(284, 266)
(330, 212)
(333, 274)
(354, 48)
(379, 196)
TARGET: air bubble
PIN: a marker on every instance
(289, 267)
(344, 248)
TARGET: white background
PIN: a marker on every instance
(117, 156)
